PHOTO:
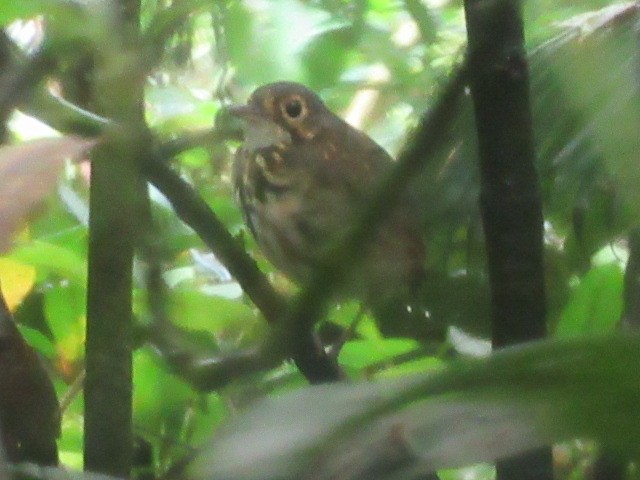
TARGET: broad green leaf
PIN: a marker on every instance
(364, 353)
(172, 108)
(595, 305)
(53, 259)
(264, 43)
(156, 411)
(470, 412)
(325, 55)
(37, 340)
(65, 310)
(12, 10)
(195, 158)
(224, 318)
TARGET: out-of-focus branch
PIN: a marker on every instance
(20, 76)
(313, 362)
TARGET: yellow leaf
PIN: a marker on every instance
(16, 281)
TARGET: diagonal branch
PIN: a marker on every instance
(313, 362)
(426, 140)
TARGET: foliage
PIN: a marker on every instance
(380, 64)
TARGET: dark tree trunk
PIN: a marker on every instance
(510, 194)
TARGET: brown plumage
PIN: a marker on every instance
(303, 175)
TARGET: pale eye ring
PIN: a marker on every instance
(293, 108)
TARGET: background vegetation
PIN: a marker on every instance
(151, 89)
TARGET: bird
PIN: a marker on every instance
(302, 177)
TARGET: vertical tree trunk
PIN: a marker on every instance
(114, 215)
(510, 194)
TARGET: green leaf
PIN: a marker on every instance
(263, 44)
(10, 10)
(163, 414)
(364, 353)
(37, 340)
(65, 310)
(326, 55)
(595, 305)
(195, 310)
(53, 259)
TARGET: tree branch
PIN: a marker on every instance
(310, 357)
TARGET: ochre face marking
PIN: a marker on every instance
(278, 159)
(262, 163)
(307, 134)
(267, 103)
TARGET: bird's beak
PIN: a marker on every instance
(259, 130)
(243, 112)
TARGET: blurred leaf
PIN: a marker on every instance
(70, 444)
(166, 21)
(471, 412)
(37, 340)
(29, 172)
(52, 259)
(595, 305)
(65, 311)
(194, 158)
(411, 367)
(60, 226)
(172, 108)
(16, 281)
(162, 414)
(194, 310)
(263, 43)
(364, 353)
(28, 471)
(10, 11)
(170, 420)
(588, 151)
(214, 410)
(225, 207)
(325, 56)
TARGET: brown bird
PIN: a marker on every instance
(302, 176)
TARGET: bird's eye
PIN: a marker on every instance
(293, 108)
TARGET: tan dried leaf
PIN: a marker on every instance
(28, 173)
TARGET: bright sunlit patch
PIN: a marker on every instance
(365, 99)
(407, 34)
(611, 253)
(28, 128)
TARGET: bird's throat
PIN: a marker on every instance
(262, 133)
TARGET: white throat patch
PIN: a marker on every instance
(262, 133)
